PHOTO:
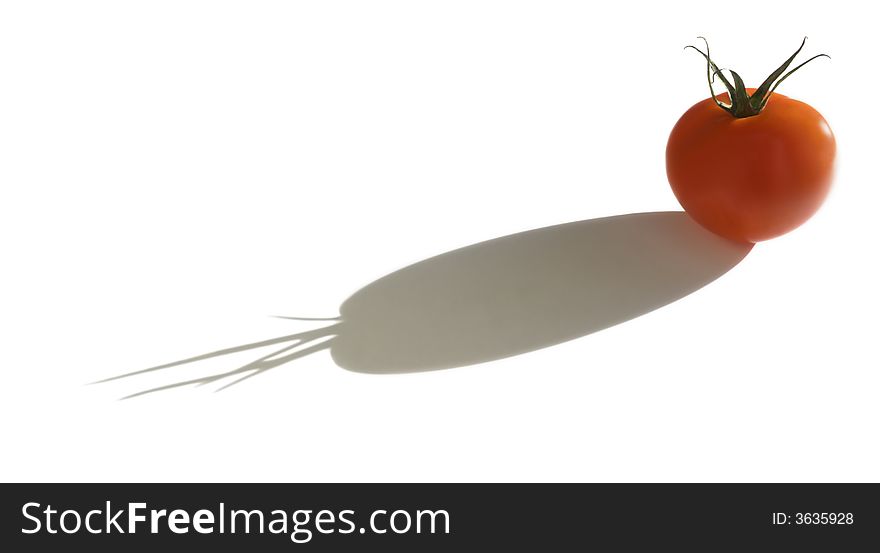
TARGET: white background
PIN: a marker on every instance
(174, 172)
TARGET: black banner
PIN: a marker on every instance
(420, 517)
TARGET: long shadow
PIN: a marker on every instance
(503, 297)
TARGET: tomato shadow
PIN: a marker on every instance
(503, 297)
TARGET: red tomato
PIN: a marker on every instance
(754, 177)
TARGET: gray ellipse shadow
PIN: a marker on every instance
(527, 291)
(502, 297)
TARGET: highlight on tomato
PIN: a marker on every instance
(750, 164)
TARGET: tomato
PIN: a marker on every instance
(755, 176)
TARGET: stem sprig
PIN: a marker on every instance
(742, 104)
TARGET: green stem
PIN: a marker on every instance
(741, 103)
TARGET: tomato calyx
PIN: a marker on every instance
(742, 104)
